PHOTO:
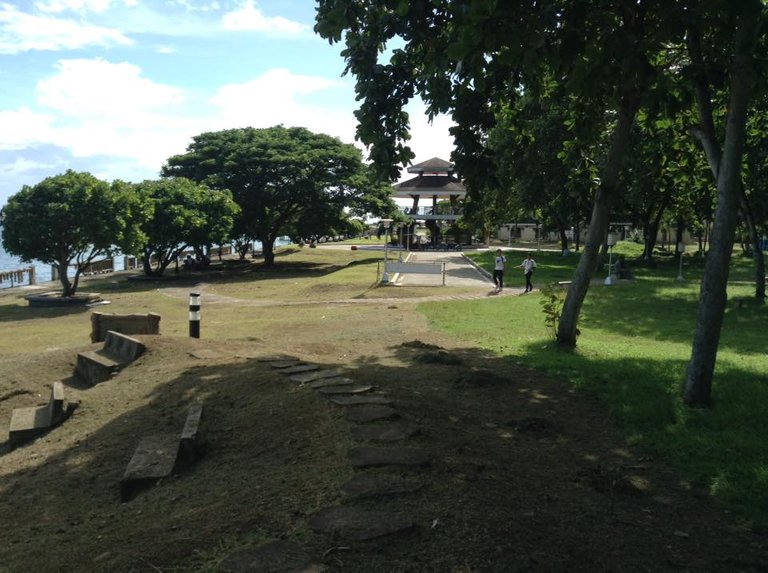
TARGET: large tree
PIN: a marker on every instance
(745, 21)
(470, 57)
(179, 213)
(70, 220)
(278, 176)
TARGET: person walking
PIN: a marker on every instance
(528, 265)
(498, 270)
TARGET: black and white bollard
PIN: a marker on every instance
(194, 314)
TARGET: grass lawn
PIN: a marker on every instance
(632, 353)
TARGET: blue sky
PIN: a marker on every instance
(115, 87)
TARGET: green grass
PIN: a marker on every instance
(633, 350)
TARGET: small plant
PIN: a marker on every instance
(552, 298)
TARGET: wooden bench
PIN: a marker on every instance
(119, 350)
(30, 423)
(159, 455)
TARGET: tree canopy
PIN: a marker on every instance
(70, 220)
(281, 178)
(178, 213)
(472, 58)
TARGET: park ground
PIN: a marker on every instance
(535, 464)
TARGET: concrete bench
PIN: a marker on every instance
(102, 322)
(119, 350)
(159, 455)
(30, 423)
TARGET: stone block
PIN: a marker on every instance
(94, 366)
(190, 447)
(124, 348)
(154, 459)
(30, 423)
(102, 322)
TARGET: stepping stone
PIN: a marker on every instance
(299, 368)
(317, 375)
(378, 485)
(357, 400)
(275, 358)
(273, 557)
(385, 431)
(345, 389)
(370, 456)
(370, 413)
(351, 523)
(278, 364)
(337, 381)
(154, 458)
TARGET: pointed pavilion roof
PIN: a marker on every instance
(434, 165)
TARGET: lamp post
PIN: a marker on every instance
(680, 251)
(611, 242)
(385, 275)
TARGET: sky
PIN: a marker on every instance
(115, 87)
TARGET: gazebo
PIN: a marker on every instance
(436, 183)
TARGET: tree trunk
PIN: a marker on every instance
(567, 328)
(754, 241)
(563, 238)
(66, 285)
(651, 233)
(268, 250)
(712, 297)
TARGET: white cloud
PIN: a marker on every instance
(277, 97)
(57, 6)
(250, 18)
(130, 125)
(23, 32)
(101, 89)
(22, 165)
(24, 128)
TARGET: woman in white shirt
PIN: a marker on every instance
(498, 271)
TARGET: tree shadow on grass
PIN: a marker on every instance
(14, 312)
(517, 460)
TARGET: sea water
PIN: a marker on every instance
(43, 271)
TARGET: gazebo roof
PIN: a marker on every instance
(434, 165)
(430, 185)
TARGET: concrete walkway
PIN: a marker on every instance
(459, 271)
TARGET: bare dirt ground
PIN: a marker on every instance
(525, 474)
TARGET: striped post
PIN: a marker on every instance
(194, 314)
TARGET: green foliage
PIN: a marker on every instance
(551, 301)
(70, 219)
(287, 181)
(179, 213)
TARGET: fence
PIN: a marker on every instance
(18, 277)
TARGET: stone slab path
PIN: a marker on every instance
(351, 523)
(385, 431)
(370, 413)
(368, 456)
(273, 557)
(367, 484)
(356, 400)
(372, 417)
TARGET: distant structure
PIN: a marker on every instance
(436, 183)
